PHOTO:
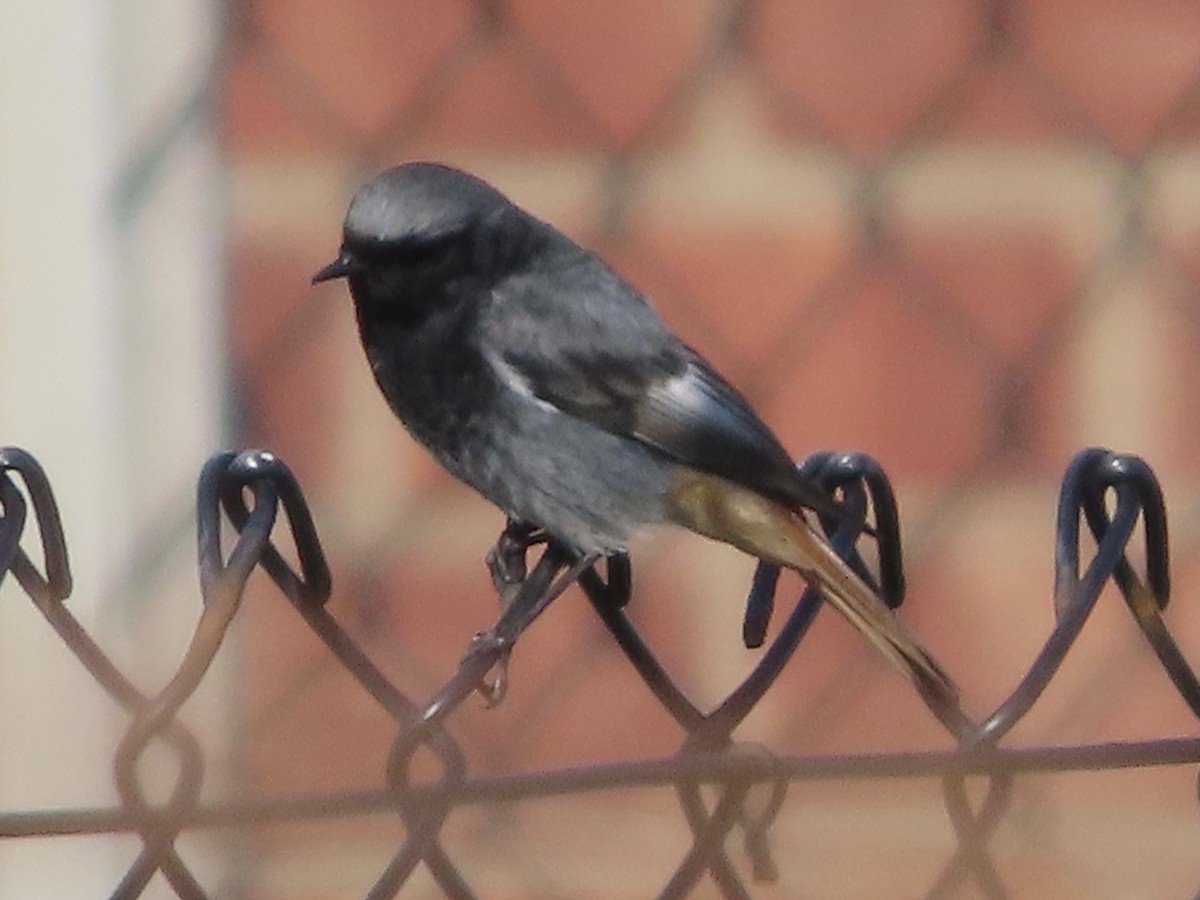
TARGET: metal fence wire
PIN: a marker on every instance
(1106, 491)
(1033, 124)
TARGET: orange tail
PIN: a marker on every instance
(736, 515)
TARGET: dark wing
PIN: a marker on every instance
(580, 338)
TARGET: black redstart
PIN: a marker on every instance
(538, 376)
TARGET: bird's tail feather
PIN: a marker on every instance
(842, 587)
(770, 531)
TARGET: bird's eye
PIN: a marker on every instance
(417, 250)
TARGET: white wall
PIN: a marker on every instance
(110, 374)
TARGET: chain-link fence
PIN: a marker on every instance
(255, 487)
(959, 235)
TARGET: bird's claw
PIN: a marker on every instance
(506, 565)
(493, 691)
(506, 559)
(497, 650)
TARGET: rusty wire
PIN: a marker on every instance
(253, 487)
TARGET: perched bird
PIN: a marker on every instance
(538, 376)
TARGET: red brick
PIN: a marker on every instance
(1008, 282)
(1182, 123)
(690, 593)
(574, 701)
(333, 737)
(734, 291)
(285, 358)
(858, 365)
(272, 285)
(886, 378)
(435, 597)
(864, 70)
(1175, 437)
(262, 113)
(307, 703)
(1125, 63)
(983, 591)
(498, 100)
(570, 691)
(992, 589)
(1144, 403)
(301, 705)
(1183, 613)
(1050, 408)
(280, 648)
(1109, 686)
(1003, 104)
(1183, 251)
(287, 405)
(367, 58)
(624, 59)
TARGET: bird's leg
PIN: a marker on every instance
(506, 559)
(523, 603)
(506, 562)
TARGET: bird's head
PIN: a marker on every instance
(415, 229)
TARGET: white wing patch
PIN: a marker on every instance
(687, 390)
(513, 378)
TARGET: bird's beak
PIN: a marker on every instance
(339, 268)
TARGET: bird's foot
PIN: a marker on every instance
(524, 595)
(492, 648)
(506, 559)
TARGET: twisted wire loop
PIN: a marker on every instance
(309, 590)
(749, 783)
(858, 483)
(49, 589)
(1090, 477)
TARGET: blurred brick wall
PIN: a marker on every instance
(961, 236)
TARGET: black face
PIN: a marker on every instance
(421, 236)
(402, 277)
